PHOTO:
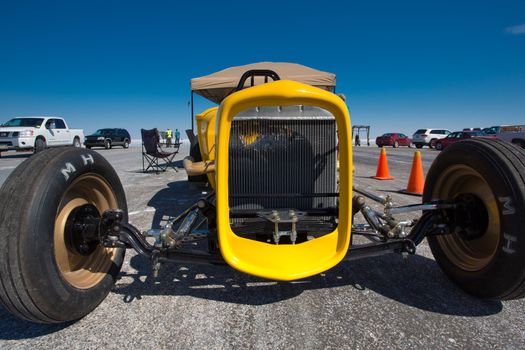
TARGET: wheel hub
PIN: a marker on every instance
(471, 216)
(475, 224)
(81, 229)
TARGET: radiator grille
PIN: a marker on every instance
(283, 158)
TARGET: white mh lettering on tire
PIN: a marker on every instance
(508, 209)
(69, 168)
(509, 240)
(87, 159)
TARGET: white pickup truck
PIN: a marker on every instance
(37, 134)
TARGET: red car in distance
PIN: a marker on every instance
(458, 136)
(393, 139)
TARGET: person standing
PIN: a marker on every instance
(177, 136)
(169, 135)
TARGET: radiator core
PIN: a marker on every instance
(283, 157)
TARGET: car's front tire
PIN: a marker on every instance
(45, 275)
(126, 144)
(485, 254)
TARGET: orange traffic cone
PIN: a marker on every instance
(382, 167)
(416, 182)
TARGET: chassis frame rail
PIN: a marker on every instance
(387, 235)
(115, 233)
(130, 237)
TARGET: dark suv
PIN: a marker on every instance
(108, 138)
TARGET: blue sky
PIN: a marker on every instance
(403, 65)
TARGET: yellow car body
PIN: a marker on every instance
(274, 261)
(206, 135)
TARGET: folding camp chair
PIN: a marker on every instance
(156, 158)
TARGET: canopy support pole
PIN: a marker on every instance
(192, 114)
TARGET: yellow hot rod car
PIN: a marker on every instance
(278, 156)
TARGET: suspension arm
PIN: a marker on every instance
(375, 249)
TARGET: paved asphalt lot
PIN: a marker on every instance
(381, 302)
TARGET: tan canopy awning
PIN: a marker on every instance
(215, 87)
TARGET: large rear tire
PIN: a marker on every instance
(43, 277)
(491, 262)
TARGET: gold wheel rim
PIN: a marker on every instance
(473, 254)
(83, 271)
